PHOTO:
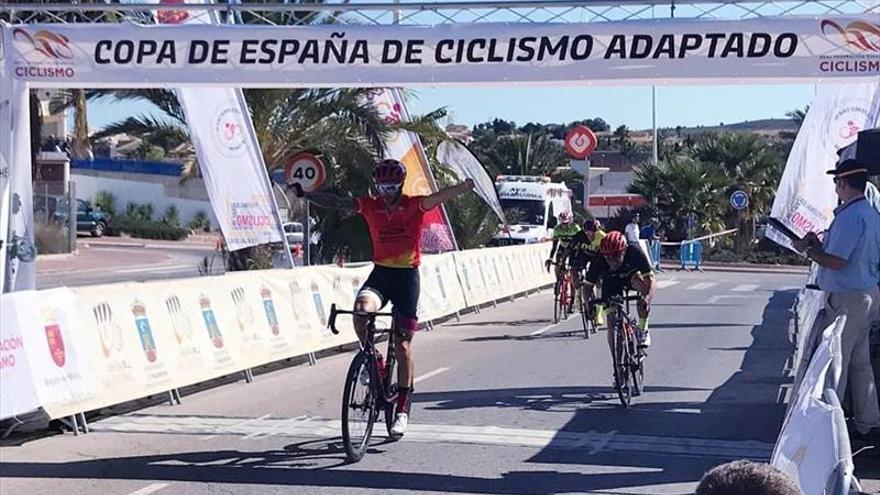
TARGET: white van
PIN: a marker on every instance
(539, 203)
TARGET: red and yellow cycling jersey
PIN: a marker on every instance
(396, 233)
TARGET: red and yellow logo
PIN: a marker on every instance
(51, 45)
(859, 35)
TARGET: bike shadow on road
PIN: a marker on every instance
(280, 468)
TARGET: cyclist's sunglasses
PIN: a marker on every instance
(388, 189)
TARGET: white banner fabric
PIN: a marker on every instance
(17, 392)
(805, 199)
(682, 51)
(83, 349)
(459, 159)
(809, 448)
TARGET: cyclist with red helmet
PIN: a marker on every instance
(624, 267)
(394, 221)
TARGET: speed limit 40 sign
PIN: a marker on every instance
(305, 169)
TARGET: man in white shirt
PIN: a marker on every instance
(632, 231)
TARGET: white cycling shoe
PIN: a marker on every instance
(644, 339)
(400, 423)
(364, 377)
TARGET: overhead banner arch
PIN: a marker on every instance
(671, 51)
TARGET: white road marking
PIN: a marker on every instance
(430, 374)
(745, 288)
(702, 286)
(593, 441)
(147, 490)
(548, 327)
(245, 422)
(271, 430)
(716, 299)
(667, 283)
(164, 268)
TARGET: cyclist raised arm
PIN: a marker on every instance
(394, 221)
(620, 268)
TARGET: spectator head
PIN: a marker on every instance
(746, 478)
(850, 178)
(655, 221)
(635, 218)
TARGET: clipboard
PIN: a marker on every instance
(782, 228)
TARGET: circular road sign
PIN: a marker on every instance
(739, 200)
(580, 142)
(305, 169)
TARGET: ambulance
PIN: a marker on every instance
(532, 204)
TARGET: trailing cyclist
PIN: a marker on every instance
(562, 237)
(585, 247)
(624, 267)
(394, 221)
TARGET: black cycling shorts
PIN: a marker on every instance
(399, 286)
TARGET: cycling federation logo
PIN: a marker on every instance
(45, 55)
(847, 120)
(861, 41)
(228, 133)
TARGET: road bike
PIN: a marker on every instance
(370, 385)
(589, 307)
(563, 294)
(628, 359)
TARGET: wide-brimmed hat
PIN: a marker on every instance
(851, 166)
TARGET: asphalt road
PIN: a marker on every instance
(504, 404)
(103, 264)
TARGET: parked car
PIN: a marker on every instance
(294, 232)
(88, 219)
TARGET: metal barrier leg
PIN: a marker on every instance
(458, 316)
(11, 428)
(170, 398)
(312, 359)
(85, 423)
(72, 423)
(175, 394)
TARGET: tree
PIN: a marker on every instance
(520, 154)
(798, 115)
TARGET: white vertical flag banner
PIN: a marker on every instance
(229, 155)
(805, 199)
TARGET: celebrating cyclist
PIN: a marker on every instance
(394, 221)
(562, 236)
(624, 267)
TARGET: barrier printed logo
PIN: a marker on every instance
(844, 124)
(269, 310)
(109, 331)
(211, 322)
(145, 332)
(440, 282)
(295, 294)
(243, 311)
(54, 337)
(319, 304)
(180, 322)
(467, 276)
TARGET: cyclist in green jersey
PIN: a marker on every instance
(562, 236)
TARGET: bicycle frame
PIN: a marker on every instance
(368, 346)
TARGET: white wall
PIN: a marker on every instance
(156, 193)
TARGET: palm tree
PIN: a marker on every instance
(798, 115)
(521, 154)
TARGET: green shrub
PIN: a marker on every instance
(148, 229)
(200, 221)
(50, 238)
(171, 217)
(106, 201)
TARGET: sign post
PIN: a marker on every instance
(580, 142)
(308, 171)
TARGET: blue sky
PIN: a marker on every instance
(629, 105)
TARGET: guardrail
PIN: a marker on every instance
(71, 350)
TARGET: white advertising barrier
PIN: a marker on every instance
(813, 447)
(74, 350)
(676, 50)
(17, 392)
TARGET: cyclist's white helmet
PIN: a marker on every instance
(565, 217)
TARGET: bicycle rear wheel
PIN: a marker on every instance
(622, 366)
(586, 315)
(359, 407)
(557, 302)
(390, 390)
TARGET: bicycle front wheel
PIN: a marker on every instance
(622, 366)
(359, 406)
(586, 316)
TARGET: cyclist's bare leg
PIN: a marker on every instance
(406, 363)
(363, 304)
